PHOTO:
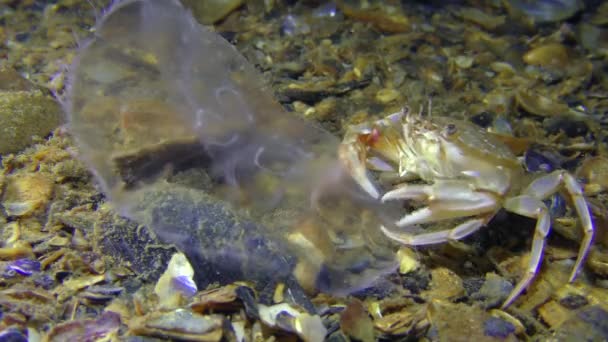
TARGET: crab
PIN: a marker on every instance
(464, 173)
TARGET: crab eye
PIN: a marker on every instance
(450, 129)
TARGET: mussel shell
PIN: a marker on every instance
(25, 266)
(539, 160)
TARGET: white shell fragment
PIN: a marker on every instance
(308, 327)
(176, 282)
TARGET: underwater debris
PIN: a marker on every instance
(155, 99)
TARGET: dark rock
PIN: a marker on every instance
(44, 281)
(126, 240)
(221, 246)
(472, 285)
(416, 281)
(483, 119)
(572, 128)
(537, 159)
(574, 301)
(597, 318)
(493, 292)
(588, 324)
(497, 327)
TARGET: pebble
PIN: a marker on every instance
(25, 115)
(497, 327)
(494, 290)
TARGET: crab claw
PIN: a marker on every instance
(352, 156)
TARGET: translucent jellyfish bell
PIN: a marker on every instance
(185, 136)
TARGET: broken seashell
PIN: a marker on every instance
(176, 283)
(102, 328)
(308, 327)
(538, 104)
(179, 324)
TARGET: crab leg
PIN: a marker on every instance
(447, 200)
(530, 205)
(351, 155)
(455, 233)
(547, 185)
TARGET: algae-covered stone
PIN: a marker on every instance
(10, 79)
(23, 115)
(222, 246)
